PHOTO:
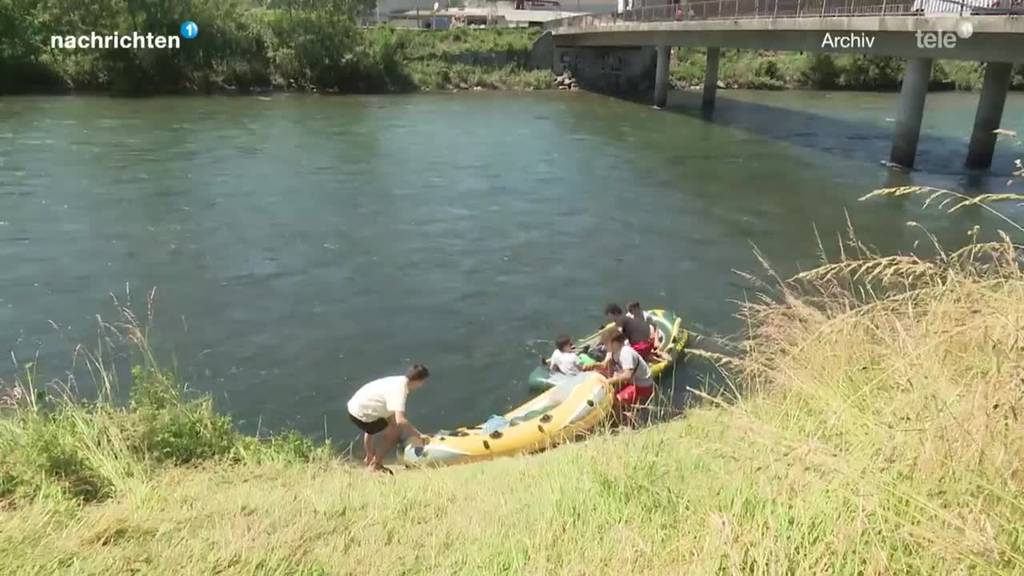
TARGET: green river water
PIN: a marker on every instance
(303, 245)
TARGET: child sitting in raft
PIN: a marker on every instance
(563, 360)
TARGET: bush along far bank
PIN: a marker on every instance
(768, 70)
(242, 48)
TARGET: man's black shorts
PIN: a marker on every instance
(371, 428)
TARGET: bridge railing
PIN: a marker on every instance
(733, 9)
(744, 9)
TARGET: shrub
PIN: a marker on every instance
(962, 75)
(173, 429)
(819, 71)
(91, 451)
(868, 73)
(57, 445)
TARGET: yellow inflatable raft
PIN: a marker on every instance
(573, 406)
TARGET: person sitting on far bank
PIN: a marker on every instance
(378, 408)
(632, 381)
(636, 330)
(563, 360)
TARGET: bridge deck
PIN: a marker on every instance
(992, 38)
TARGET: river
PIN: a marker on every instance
(303, 245)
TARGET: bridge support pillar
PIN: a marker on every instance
(661, 77)
(989, 114)
(911, 110)
(710, 79)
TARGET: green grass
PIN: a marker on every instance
(512, 44)
(463, 59)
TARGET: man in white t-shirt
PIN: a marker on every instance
(379, 408)
(632, 379)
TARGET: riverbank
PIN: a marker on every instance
(865, 432)
(244, 48)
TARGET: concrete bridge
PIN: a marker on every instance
(630, 52)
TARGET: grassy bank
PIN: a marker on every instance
(759, 69)
(873, 427)
(465, 58)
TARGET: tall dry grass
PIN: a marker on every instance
(902, 379)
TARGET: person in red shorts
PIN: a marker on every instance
(632, 380)
(651, 352)
(636, 330)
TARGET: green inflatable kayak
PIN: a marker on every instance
(673, 341)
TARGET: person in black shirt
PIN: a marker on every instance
(636, 311)
(634, 329)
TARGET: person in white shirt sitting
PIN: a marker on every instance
(379, 408)
(563, 360)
